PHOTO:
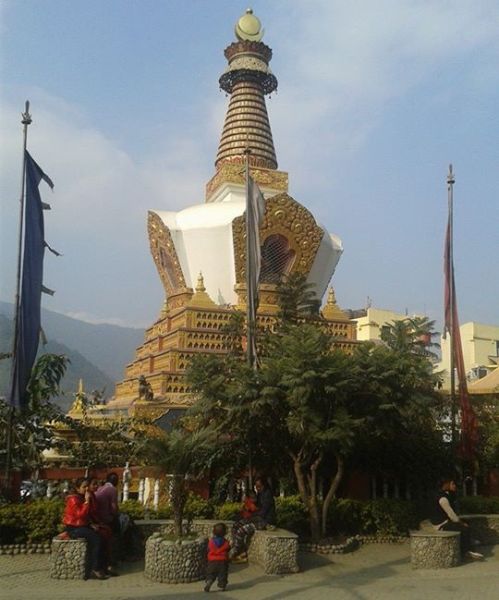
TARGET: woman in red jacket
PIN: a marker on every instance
(77, 523)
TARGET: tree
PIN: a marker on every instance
(413, 335)
(31, 427)
(182, 453)
(311, 385)
(297, 299)
(397, 397)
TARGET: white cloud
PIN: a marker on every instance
(99, 205)
(345, 61)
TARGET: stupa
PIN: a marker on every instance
(200, 251)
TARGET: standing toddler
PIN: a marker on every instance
(218, 558)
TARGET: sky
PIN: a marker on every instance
(375, 99)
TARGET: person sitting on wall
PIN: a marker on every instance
(76, 520)
(102, 529)
(263, 517)
(445, 517)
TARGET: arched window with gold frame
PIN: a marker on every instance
(277, 258)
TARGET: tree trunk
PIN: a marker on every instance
(178, 498)
(307, 487)
(333, 488)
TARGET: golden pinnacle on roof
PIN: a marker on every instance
(200, 284)
(331, 310)
(201, 299)
(249, 28)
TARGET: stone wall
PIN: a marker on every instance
(276, 551)
(484, 528)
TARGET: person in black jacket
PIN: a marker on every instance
(445, 517)
(262, 518)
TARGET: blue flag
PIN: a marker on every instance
(29, 324)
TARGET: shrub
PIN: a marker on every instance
(38, 521)
(345, 516)
(133, 508)
(291, 514)
(375, 517)
(197, 508)
(389, 517)
(479, 505)
(229, 511)
(164, 511)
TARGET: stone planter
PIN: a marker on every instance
(182, 561)
(68, 559)
(435, 550)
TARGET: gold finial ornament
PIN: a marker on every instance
(331, 310)
(200, 285)
(201, 299)
(248, 27)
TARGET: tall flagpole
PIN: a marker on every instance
(26, 121)
(250, 329)
(450, 198)
(249, 287)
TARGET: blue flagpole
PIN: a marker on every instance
(26, 121)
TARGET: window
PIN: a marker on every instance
(277, 258)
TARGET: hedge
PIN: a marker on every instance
(40, 520)
(479, 505)
(37, 521)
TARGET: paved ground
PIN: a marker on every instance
(374, 571)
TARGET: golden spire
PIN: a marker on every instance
(247, 79)
(201, 299)
(200, 285)
(331, 310)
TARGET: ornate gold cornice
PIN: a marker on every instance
(232, 171)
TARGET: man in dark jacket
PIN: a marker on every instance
(263, 517)
(265, 503)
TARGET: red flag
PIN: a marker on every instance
(469, 429)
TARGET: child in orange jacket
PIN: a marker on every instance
(218, 558)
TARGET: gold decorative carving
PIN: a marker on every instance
(165, 255)
(232, 171)
(285, 216)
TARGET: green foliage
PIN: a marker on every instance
(197, 507)
(389, 517)
(228, 511)
(107, 443)
(479, 505)
(412, 335)
(165, 511)
(291, 514)
(375, 517)
(345, 516)
(31, 432)
(37, 521)
(297, 299)
(134, 508)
